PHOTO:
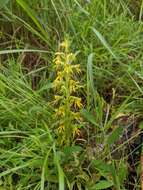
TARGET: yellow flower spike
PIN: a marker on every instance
(61, 128)
(56, 84)
(59, 75)
(58, 81)
(57, 60)
(77, 68)
(68, 69)
(57, 98)
(60, 111)
(77, 102)
(76, 131)
(66, 87)
(73, 86)
(77, 116)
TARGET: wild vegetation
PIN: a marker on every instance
(71, 94)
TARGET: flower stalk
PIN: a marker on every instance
(67, 103)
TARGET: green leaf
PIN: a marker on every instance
(60, 171)
(90, 71)
(115, 135)
(122, 171)
(4, 173)
(104, 42)
(102, 184)
(3, 3)
(87, 115)
(115, 175)
(101, 166)
(43, 170)
(81, 8)
(30, 12)
(2, 52)
(72, 149)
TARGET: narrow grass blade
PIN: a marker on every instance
(136, 84)
(87, 115)
(13, 170)
(60, 171)
(81, 8)
(22, 50)
(13, 132)
(90, 70)
(43, 171)
(90, 80)
(57, 13)
(102, 184)
(104, 42)
(30, 12)
(30, 28)
(141, 12)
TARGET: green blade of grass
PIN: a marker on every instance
(57, 13)
(104, 42)
(81, 8)
(141, 11)
(90, 118)
(22, 51)
(30, 28)
(102, 184)
(90, 80)
(30, 12)
(60, 171)
(13, 170)
(43, 170)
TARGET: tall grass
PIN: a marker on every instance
(106, 38)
